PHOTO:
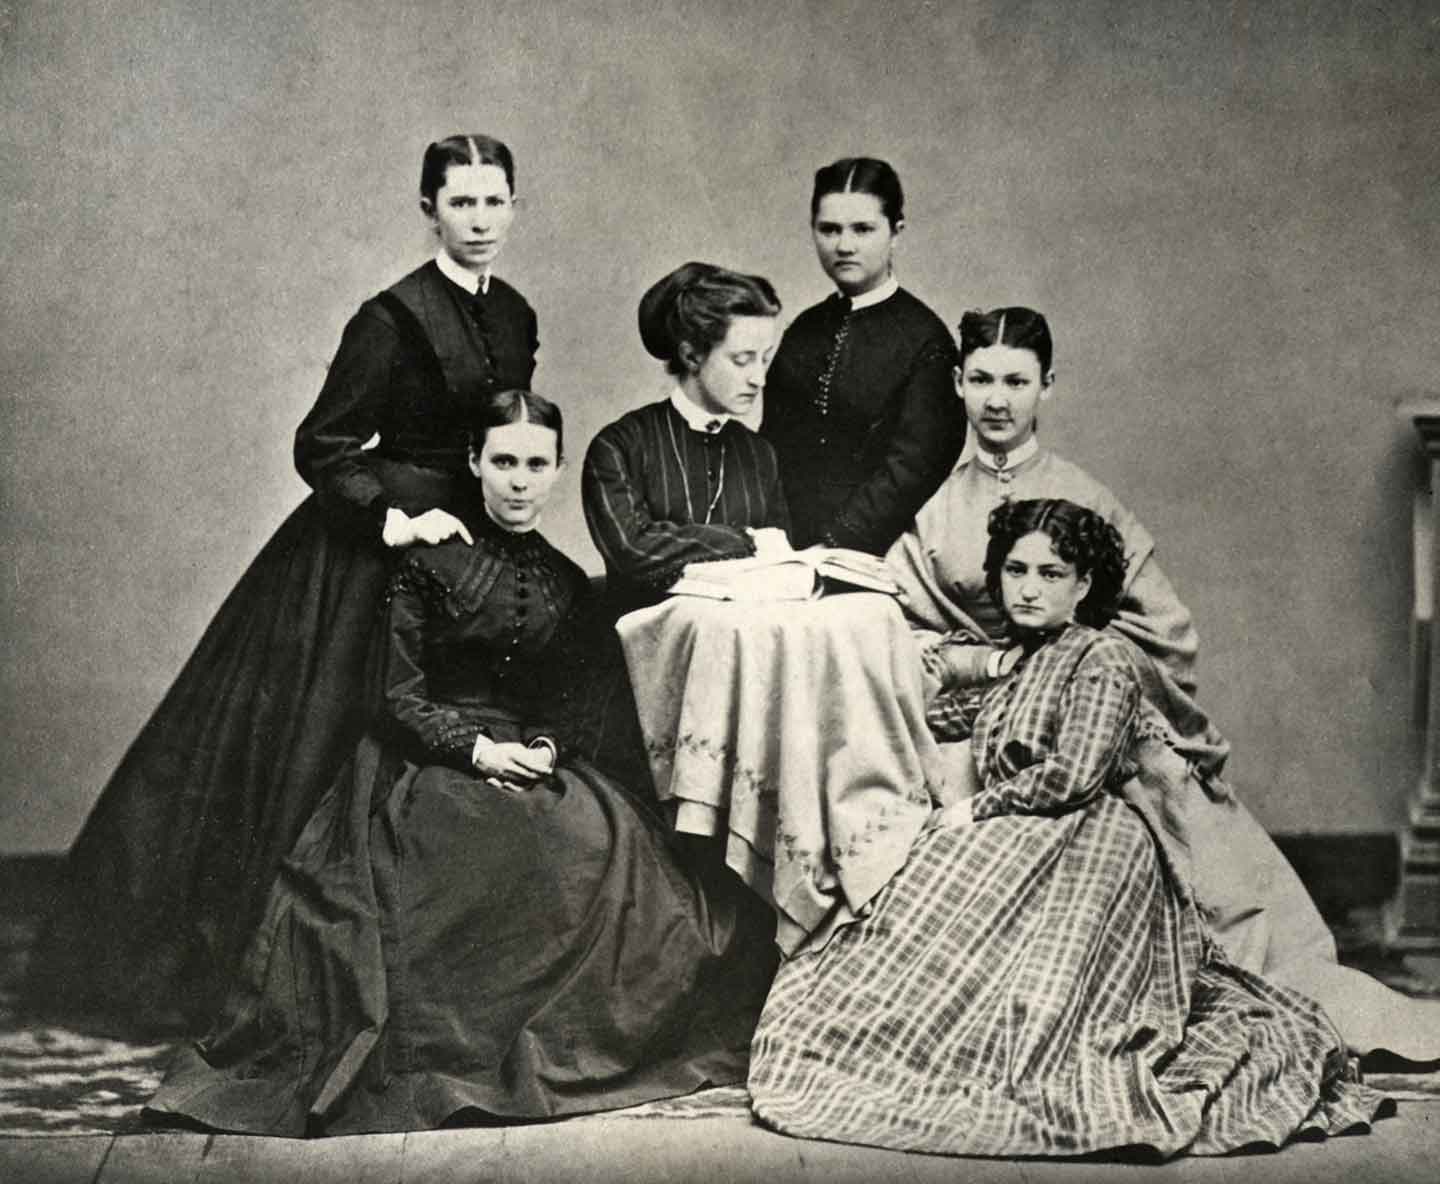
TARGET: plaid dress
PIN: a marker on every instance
(1032, 984)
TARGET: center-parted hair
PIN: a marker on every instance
(516, 406)
(861, 174)
(476, 149)
(694, 305)
(1017, 327)
(1079, 536)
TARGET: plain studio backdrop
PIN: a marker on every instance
(1228, 210)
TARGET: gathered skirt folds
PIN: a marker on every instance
(168, 877)
(1033, 986)
(437, 950)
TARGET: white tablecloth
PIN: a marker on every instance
(797, 730)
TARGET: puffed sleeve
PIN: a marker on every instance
(928, 435)
(645, 550)
(328, 443)
(954, 649)
(1097, 716)
(446, 732)
(1154, 618)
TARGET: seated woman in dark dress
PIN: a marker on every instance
(859, 405)
(168, 878)
(681, 481)
(473, 923)
(1037, 979)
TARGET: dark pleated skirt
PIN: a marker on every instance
(168, 877)
(437, 950)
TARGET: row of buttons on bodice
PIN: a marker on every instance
(832, 363)
(517, 623)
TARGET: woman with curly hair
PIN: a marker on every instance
(1036, 980)
(1251, 898)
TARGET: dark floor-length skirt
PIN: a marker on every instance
(440, 950)
(168, 876)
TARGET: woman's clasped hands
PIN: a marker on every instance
(513, 766)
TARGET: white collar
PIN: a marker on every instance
(462, 276)
(875, 295)
(998, 461)
(697, 417)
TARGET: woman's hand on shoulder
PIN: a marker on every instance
(431, 527)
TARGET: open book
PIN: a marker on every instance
(799, 575)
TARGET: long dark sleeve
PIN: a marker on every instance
(628, 473)
(328, 443)
(445, 731)
(928, 435)
(779, 507)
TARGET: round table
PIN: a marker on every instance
(796, 729)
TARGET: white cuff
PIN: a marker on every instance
(483, 743)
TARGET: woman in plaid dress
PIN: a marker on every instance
(1250, 897)
(1037, 980)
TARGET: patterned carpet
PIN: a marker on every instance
(54, 1081)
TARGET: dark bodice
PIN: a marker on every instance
(659, 495)
(861, 409)
(476, 641)
(411, 364)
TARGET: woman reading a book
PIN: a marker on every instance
(1253, 900)
(808, 784)
(681, 481)
(1037, 979)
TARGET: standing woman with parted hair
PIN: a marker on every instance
(168, 875)
(859, 405)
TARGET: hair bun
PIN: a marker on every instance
(656, 306)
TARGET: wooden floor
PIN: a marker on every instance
(1404, 1149)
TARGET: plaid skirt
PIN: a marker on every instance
(1031, 985)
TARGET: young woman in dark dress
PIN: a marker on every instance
(474, 923)
(169, 874)
(682, 480)
(859, 404)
